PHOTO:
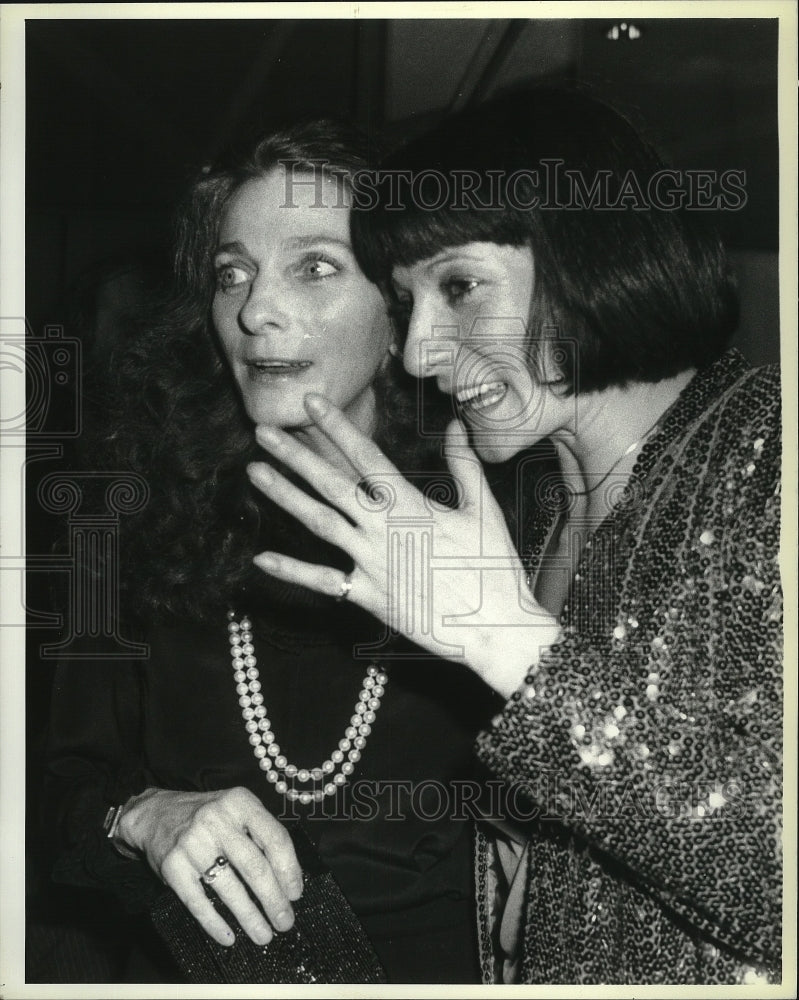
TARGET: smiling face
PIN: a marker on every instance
(469, 310)
(293, 311)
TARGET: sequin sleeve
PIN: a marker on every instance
(652, 729)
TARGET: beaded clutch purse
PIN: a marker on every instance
(326, 944)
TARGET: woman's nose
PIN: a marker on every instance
(429, 347)
(266, 309)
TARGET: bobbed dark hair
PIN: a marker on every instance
(168, 408)
(633, 289)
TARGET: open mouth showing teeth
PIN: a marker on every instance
(479, 397)
(278, 367)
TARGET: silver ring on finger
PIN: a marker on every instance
(345, 588)
(215, 870)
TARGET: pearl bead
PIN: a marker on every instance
(265, 747)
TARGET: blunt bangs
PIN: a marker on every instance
(639, 292)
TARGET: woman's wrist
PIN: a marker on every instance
(128, 833)
(509, 658)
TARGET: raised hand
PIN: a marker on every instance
(182, 834)
(448, 579)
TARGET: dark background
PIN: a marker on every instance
(121, 113)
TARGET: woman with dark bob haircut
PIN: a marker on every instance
(556, 289)
(200, 770)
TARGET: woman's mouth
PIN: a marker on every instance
(270, 367)
(478, 398)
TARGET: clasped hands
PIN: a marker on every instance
(449, 579)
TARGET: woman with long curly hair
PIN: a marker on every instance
(200, 769)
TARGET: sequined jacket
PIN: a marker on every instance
(648, 740)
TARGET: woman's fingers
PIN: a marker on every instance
(183, 879)
(361, 450)
(327, 480)
(318, 517)
(275, 842)
(323, 579)
(465, 467)
(255, 869)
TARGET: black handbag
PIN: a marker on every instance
(327, 943)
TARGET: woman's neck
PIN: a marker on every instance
(610, 428)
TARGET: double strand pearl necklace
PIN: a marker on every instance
(333, 772)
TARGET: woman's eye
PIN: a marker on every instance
(457, 288)
(318, 267)
(230, 276)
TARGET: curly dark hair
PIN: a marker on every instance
(169, 410)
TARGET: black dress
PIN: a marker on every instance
(398, 838)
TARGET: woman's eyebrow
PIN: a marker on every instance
(234, 247)
(448, 258)
(304, 242)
